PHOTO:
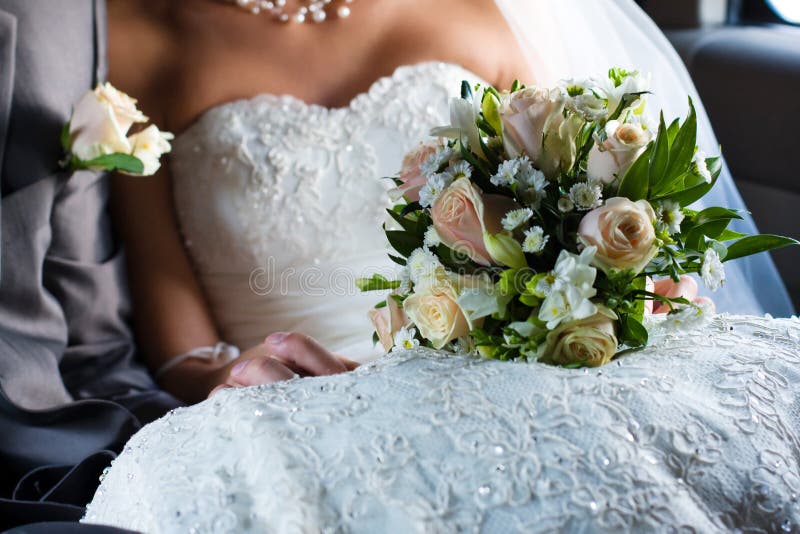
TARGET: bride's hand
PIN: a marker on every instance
(282, 356)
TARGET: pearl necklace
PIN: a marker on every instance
(313, 11)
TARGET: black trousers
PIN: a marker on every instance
(51, 461)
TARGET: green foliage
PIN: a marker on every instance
(376, 283)
(114, 162)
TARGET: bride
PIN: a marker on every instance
(271, 207)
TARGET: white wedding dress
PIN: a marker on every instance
(698, 433)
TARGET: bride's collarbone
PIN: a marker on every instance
(326, 65)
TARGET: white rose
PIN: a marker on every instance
(100, 123)
(149, 145)
(624, 143)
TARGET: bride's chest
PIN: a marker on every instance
(275, 177)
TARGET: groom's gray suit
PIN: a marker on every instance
(63, 302)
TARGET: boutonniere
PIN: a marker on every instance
(97, 135)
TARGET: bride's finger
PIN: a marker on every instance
(350, 364)
(298, 350)
(257, 371)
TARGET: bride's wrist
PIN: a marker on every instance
(191, 376)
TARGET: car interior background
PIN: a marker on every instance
(744, 57)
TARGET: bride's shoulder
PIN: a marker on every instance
(140, 47)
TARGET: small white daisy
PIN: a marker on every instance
(432, 238)
(586, 195)
(506, 173)
(565, 204)
(702, 167)
(461, 169)
(422, 264)
(431, 191)
(535, 240)
(671, 216)
(406, 339)
(712, 271)
(516, 218)
(434, 162)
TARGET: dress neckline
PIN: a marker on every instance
(320, 109)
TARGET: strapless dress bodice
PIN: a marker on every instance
(281, 203)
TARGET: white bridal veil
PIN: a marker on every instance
(580, 38)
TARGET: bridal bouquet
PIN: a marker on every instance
(534, 226)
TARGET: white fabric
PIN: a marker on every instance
(578, 38)
(700, 432)
(281, 204)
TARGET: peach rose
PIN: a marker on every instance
(590, 341)
(622, 231)
(411, 174)
(610, 159)
(388, 321)
(465, 219)
(666, 287)
(100, 123)
(434, 310)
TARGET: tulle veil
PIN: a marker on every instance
(580, 38)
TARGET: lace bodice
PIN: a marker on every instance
(281, 203)
(700, 432)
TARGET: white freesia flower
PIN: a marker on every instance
(423, 265)
(149, 145)
(405, 339)
(671, 216)
(535, 240)
(516, 218)
(586, 195)
(712, 271)
(432, 238)
(631, 82)
(506, 173)
(570, 295)
(431, 191)
(702, 167)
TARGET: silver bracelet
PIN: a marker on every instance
(220, 353)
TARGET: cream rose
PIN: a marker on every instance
(623, 233)
(149, 145)
(611, 158)
(434, 309)
(465, 220)
(100, 123)
(411, 173)
(524, 115)
(388, 321)
(590, 341)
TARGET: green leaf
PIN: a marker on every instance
(754, 244)
(65, 137)
(632, 331)
(712, 229)
(673, 130)
(684, 146)
(635, 183)
(115, 162)
(376, 283)
(659, 160)
(407, 224)
(466, 90)
(398, 260)
(716, 213)
(403, 242)
(730, 235)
